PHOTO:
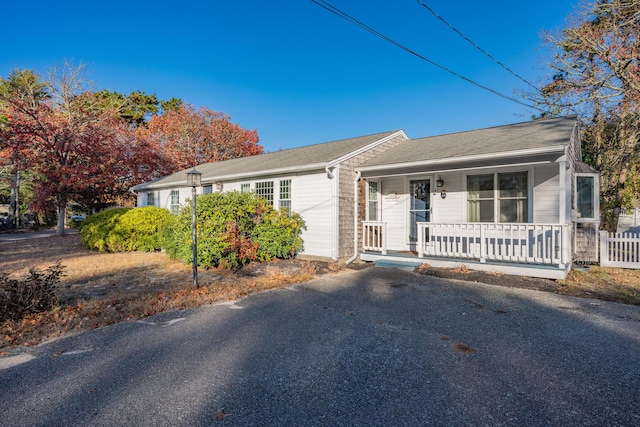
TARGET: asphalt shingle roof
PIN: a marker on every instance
(318, 155)
(521, 136)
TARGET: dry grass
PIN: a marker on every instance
(100, 289)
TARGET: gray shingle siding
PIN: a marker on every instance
(346, 202)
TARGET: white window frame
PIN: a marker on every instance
(284, 199)
(151, 197)
(496, 193)
(595, 198)
(265, 189)
(174, 201)
(245, 187)
(376, 202)
(207, 189)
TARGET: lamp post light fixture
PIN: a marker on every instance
(193, 180)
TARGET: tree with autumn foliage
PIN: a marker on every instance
(26, 86)
(596, 73)
(188, 137)
(80, 150)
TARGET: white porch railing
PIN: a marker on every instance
(514, 242)
(548, 244)
(619, 250)
(374, 236)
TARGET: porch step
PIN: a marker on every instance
(394, 263)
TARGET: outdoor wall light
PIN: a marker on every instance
(440, 182)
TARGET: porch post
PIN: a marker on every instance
(419, 245)
(483, 251)
(384, 238)
(562, 203)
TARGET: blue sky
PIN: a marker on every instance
(292, 70)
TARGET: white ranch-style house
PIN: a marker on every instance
(513, 199)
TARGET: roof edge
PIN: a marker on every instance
(529, 152)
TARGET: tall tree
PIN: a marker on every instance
(189, 136)
(26, 86)
(75, 144)
(596, 73)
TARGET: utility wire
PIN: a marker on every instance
(433, 12)
(326, 5)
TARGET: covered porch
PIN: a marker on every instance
(529, 249)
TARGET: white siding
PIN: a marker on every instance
(394, 212)
(312, 197)
(546, 195)
(452, 208)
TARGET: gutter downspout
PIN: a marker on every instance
(355, 219)
(334, 222)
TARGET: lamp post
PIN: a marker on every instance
(193, 180)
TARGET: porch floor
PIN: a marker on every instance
(406, 259)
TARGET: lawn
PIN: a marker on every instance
(100, 289)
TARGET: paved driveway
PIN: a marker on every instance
(372, 347)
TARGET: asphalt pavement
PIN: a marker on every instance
(29, 234)
(376, 347)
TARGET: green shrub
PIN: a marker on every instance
(125, 229)
(33, 294)
(233, 229)
(95, 230)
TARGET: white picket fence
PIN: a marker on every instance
(619, 250)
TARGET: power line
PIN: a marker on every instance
(326, 5)
(433, 12)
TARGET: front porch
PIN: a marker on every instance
(536, 250)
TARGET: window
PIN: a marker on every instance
(245, 188)
(512, 197)
(175, 202)
(586, 197)
(372, 201)
(480, 194)
(285, 195)
(207, 189)
(264, 189)
(150, 199)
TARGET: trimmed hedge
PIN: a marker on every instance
(233, 229)
(125, 229)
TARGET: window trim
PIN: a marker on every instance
(153, 198)
(174, 208)
(595, 195)
(289, 187)
(259, 188)
(496, 194)
(376, 201)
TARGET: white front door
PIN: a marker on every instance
(420, 205)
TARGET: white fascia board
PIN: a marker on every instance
(232, 177)
(449, 160)
(367, 148)
(266, 172)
